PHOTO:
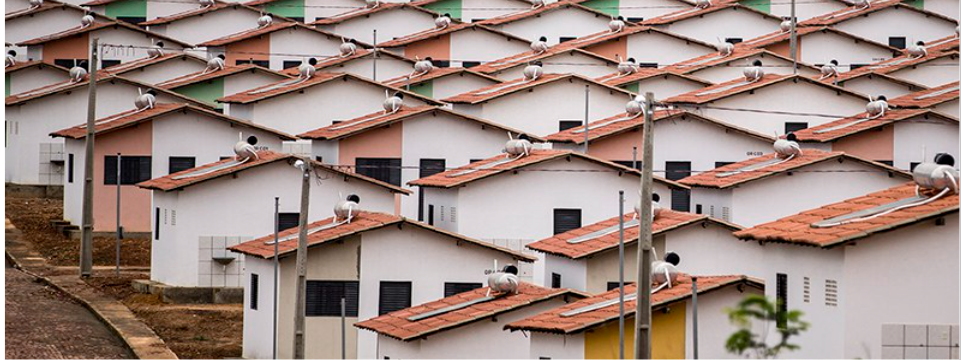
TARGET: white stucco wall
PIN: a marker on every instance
(34, 78)
(735, 69)
(740, 24)
(873, 86)
(667, 86)
(573, 272)
(711, 250)
(822, 47)
(258, 323)
(387, 68)
(649, 8)
(568, 22)
(566, 63)
(481, 45)
(919, 137)
(950, 108)
(448, 86)
(296, 44)
(671, 49)
(912, 25)
(807, 10)
(553, 346)
(125, 37)
(389, 24)
(40, 24)
(210, 26)
(932, 73)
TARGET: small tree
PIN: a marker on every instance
(756, 308)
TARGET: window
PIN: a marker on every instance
(180, 163)
(635, 19)
(430, 215)
(451, 289)
(430, 167)
(886, 162)
(261, 63)
(383, 169)
(156, 224)
(296, 18)
(292, 63)
(68, 63)
(319, 158)
(629, 163)
(790, 127)
(566, 220)
(133, 169)
(568, 124)
(287, 221)
(319, 18)
(555, 280)
(442, 63)
(781, 298)
(70, 168)
(898, 42)
(855, 66)
(807, 289)
(254, 291)
(698, 209)
(680, 198)
(470, 64)
(611, 285)
(132, 19)
(913, 164)
(718, 164)
(108, 63)
(647, 65)
(394, 295)
(566, 38)
(733, 40)
(475, 160)
(323, 297)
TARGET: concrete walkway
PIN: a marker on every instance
(142, 340)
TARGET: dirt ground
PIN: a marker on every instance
(191, 331)
(33, 215)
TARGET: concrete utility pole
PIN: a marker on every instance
(374, 56)
(642, 318)
(620, 280)
(300, 311)
(694, 305)
(587, 113)
(86, 238)
(276, 269)
(119, 230)
(794, 35)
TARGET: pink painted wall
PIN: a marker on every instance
(611, 49)
(437, 48)
(74, 47)
(385, 142)
(255, 48)
(871, 144)
(135, 202)
(617, 147)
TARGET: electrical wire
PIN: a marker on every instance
(518, 8)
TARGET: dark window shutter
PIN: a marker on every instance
(718, 164)
(110, 170)
(790, 127)
(555, 280)
(566, 220)
(132, 19)
(470, 64)
(288, 221)
(67, 63)
(108, 63)
(323, 297)
(180, 163)
(734, 40)
(254, 291)
(394, 295)
(430, 215)
(291, 63)
(680, 198)
(383, 169)
(913, 164)
(886, 162)
(430, 167)
(629, 163)
(70, 168)
(898, 42)
(611, 285)
(451, 289)
(156, 227)
(442, 63)
(566, 38)
(647, 65)
(568, 124)
(781, 298)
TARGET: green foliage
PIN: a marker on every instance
(756, 309)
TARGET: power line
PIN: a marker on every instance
(496, 169)
(518, 8)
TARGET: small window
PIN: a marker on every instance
(699, 209)
(629, 163)
(132, 19)
(647, 65)
(156, 224)
(70, 63)
(566, 220)
(299, 19)
(611, 285)
(470, 64)
(292, 63)
(254, 291)
(680, 198)
(108, 63)
(635, 19)
(781, 298)
(319, 159)
(475, 160)
(898, 42)
(323, 297)
(734, 40)
(886, 162)
(567, 38)
(394, 295)
(913, 164)
(180, 163)
(430, 167)
(288, 221)
(555, 280)
(442, 63)
(383, 169)
(451, 289)
(568, 124)
(261, 63)
(70, 168)
(855, 66)
(790, 127)
(133, 169)
(319, 18)
(430, 215)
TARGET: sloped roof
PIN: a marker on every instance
(134, 117)
(66, 86)
(397, 324)
(219, 5)
(854, 11)
(434, 32)
(326, 63)
(450, 178)
(437, 73)
(798, 229)
(894, 64)
(509, 87)
(711, 179)
(524, 58)
(666, 221)
(362, 221)
(200, 76)
(553, 322)
(99, 25)
(615, 79)
(927, 98)
(30, 64)
(541, 10)
(367, 11)
(257, 94)
(575, 135)
(260, 31)
(857, 124)
(144, 62)
(605, 36)
(700, 12)
(725, 89)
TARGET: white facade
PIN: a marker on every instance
(571, 62)
(556, 24)
(920, 136)
(637, 10)
(671, 49)
(474, 44)
(48, 22)
(193, 213)
(477, 10)
(788, 193)
(870, 85)
(165, 70)
(819, 48)
(120, 44)
(447, 86)
(383, 68)
(665, 86)
(735, 69)
(912, 25)
(33, 77)
(739, 24)
(931, 73)
(209, 26)
(389, 24)
(807, 10)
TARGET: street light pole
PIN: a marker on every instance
(620, 281)
(642, 318)
(86, 237)
(301, 306)
(276, 269)
(119, 233)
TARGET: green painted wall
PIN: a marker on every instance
(632, 87)
(610, 7)
(425, 88)
(761, 5)
(916, 3)
(127, 8)
(207, 91)
(288, 8)
(6, 89)
(452, 7)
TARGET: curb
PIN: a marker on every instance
(142, 341)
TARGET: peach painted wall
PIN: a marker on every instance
(135, 202)
(611, 49)
(256, 48)
(437, 48)
(784, 48)
(74, 47)
(871, 144)
(618, 147)
(385, 142)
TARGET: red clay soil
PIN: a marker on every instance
(32, 217)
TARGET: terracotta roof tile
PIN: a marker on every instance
(927, 98)
(798, 229)
(133, 117)
(945, 44)
(725, 89)
(699, 12)
(398, 325)
(260, 31)
(98, 25)
(68, 86)
(892, 65)
(365, 11)
(327, 64)
(524, 58)
(857, 124)
(854, 11)
(552, 321)
(436, 73)
(778, 36)
(620, 123)
(200, 76)
(272, 90)
(716, 179)
(666, 221)
(141, 63)
(434, 32)
(483, 169)
(219, 5)
(173, 182)
(510, 87)
(532, 12)
(29, 64)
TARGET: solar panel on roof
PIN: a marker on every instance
(448, 309)
(603, 124)
(484, 166)
(867, 212)
(937, 93)
(605, 231)
(600, 305)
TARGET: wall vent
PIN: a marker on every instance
(807, 289)
(831, 293)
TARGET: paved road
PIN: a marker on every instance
(42, 323)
